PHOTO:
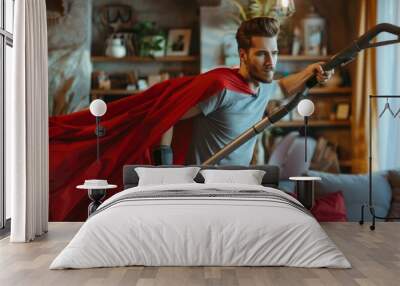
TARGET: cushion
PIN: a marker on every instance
(287, 186)
(394, 180)
(330, 207)
(270, 179)
(279, 154)
(162, 176)
(355, 192)
(394, 211)
(249, 177)
(295, 163)
(289, 155)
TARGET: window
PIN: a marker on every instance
(9, 12)
(6, 64)
(388, 84)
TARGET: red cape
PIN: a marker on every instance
(133, 125)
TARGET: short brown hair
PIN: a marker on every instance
(256, 27)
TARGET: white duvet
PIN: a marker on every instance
(200, 231)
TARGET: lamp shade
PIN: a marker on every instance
(305, 107)
(98, 107)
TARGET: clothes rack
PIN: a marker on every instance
(370, 204)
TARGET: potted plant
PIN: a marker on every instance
(278, 9)
(150, 39)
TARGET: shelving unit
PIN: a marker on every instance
(172, 64)
(134, 59)
(313, 123)
(331, 90)
(100, 93)
(303, 58)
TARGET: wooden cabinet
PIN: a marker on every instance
(135, 59)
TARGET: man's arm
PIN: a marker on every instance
(295, 83)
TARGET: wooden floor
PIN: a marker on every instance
(374, 255)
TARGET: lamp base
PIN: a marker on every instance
(100, 131)
(96, 196)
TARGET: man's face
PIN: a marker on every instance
(260, 60)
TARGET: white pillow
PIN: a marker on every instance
(248, 177)
(163, 176)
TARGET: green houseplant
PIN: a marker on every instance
(150, 40)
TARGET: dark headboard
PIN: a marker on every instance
(270, 179)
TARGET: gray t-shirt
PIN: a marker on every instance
(224, 117)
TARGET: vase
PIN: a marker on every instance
(115, 48)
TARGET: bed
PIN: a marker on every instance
(201, 224)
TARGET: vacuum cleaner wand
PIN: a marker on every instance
(340, 59)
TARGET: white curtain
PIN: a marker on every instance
(388, 83)
(27, 124)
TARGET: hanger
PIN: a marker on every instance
(387, 106)
(397, 113)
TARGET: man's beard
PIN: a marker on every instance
(264, 76)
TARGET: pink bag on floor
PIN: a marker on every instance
(330, 207)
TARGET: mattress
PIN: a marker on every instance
(201, 225)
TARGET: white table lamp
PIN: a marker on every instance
(98, 108)
(305, 109)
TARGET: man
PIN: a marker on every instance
(224, 116)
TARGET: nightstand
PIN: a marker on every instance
(305, 190)
(96, 192)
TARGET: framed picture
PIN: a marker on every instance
(342, 111)
(178, 42)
